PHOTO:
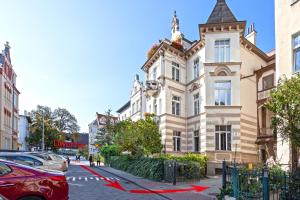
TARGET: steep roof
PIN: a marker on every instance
(221, 13)
(124, 107)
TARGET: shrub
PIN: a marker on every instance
(108, 151)
(151, 168)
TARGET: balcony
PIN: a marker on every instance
(264, 94)
(151, 87)
(265, 135)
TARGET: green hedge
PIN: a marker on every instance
(151, 168)
(190, 166)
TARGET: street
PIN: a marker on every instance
(92, 183)
(84, 185)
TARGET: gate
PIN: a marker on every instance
(264, 184)
(175, 171)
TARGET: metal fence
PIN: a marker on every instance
(175, 171)
(261, 183)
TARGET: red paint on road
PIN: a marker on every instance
(113, 184)
(193, 188)
(117, 185)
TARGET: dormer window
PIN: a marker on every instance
(222, 50)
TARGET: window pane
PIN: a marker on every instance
(223, 141)
(217, 141)
(229, 141)
(297, 60)
(174, 144)
(178, 144)
(228, 102)
(173, 73)
(216, 97)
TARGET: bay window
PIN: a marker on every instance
(222, 50)
(222, 93)
(223, 137)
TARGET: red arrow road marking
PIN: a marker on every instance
(113, 184)
(117, 185)
(193, 188)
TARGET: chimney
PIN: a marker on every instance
(251, 34)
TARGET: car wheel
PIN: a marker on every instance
(31, 198)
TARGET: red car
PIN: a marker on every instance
(20, 182)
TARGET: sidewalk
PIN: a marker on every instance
(214, 183)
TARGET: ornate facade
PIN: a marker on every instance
(9, 102)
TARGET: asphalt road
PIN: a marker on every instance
(84, 185)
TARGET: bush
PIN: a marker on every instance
(108, 151)
(191, 161)
(151, 168)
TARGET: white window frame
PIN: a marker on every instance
(176, 105)
(176, 141)
(175, 72)
(296, 49)
(218, 90)
(196, 136)
(222, 50)
(154, 73)
(196, 68)
(196, 103)
(218, 137)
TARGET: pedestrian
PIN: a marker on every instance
(91, 160)
(68, 159)
(98, 158)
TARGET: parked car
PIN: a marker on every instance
(30, 160)
(21, 182)
(54, 158)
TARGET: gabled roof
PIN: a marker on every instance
(221, 13)
(124, 107)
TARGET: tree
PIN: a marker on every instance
(285, 104)
(65, 121)
(105, 131)
(42, 113)
(139, 138)
(54, 123)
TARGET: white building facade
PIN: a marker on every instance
(204, 92)
(135, 108)
(24, 132)
(94, 127)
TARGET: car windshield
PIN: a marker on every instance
(43, 156)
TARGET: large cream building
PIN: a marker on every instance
(287, 34)
(9, 102)
(204, 92)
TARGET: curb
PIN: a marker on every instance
(126, 179)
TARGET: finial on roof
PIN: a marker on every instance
(175, 13)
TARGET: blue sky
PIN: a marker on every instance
(82, 55)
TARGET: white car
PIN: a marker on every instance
(30, 160)
(51, 157)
